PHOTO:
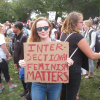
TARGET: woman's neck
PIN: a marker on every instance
(46, 40)
(87, 29)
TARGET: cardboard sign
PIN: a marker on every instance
(46, 62)
(7, 40)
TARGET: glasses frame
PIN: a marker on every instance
(81, 22)
(42, 28)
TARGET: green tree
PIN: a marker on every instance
(20, 10)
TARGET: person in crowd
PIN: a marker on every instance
(95, 22)
(90, 36)
(7, 22)
(98, 28)
(90, 19)
(25, 30)
(13, 34)
(4, 57)
(77, 44)
(4, 29)
(27, 25)
(18, 50)
(98, 34)
(30, 26)
(53, 32)
(1, 25)
(40, 32)
(29, 84)
(9, 33)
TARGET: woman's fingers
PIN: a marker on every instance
(70, 61)
(22, 63)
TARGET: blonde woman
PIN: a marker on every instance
(72, 25)
(90, 36)
(4, 56)
(98, 28)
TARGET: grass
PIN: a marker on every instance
(88, 89)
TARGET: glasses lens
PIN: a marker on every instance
(45, 28)
(39, 29)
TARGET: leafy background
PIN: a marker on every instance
(20, 10)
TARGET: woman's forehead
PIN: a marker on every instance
(42, 23)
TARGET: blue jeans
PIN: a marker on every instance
(39, 91)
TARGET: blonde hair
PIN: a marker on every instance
(70, 23)
(34, 35)
(1, 31)
(98, 28)
(88, 23)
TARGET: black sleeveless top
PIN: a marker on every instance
(79, 57)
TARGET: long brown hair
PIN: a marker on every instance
(34, 35)
(70, 23)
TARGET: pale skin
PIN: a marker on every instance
(87, 50)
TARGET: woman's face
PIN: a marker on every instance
(43, 29)
(80, 23)
(85, 26)
(3, 29)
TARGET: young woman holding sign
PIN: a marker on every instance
(40, 32)
(72, 25)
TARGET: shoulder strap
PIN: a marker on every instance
(90, 34)
(20, 39)
(75, 49)
(68, 36)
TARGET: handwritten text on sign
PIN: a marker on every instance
(46, 62)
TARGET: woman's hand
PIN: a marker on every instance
(70, 61)
(22, 63)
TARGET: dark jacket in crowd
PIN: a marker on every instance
(19, 47)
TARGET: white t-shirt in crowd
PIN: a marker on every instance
(2, 41)
(53, 33)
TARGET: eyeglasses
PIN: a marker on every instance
(45, 28)
(81, 22)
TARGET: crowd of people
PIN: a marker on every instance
(82, 36)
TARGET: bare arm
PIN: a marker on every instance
(83, 45)
(3, 46)
(56, 36)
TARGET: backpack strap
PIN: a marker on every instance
(90, 34)
(21, 39)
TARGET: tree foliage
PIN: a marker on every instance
(20, 10)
